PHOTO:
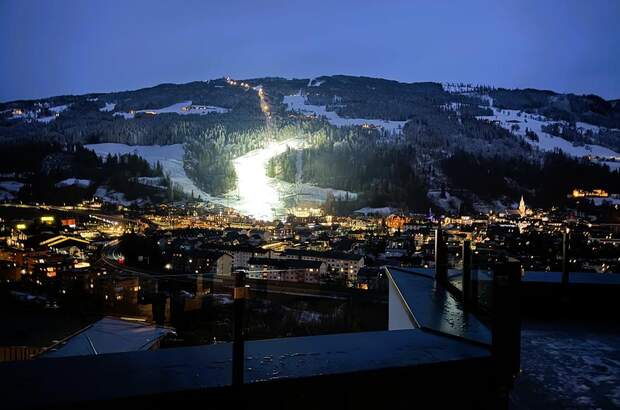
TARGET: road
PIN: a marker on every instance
(114, 219)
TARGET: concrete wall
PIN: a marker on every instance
(398, 315)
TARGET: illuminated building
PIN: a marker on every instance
(595, 193)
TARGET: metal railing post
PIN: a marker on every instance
(441, 257)
(506, 325)
(467, 295)
(239, 296)
(565, 273)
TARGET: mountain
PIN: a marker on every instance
(410, 145)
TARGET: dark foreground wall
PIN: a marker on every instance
(399, 369)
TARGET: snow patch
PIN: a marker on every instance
(59, 108)
(458, 88)
(385, 211)
(606, 201)
(46, 120)
(82, 183)
(125, 115)
(156, 182)
(6, 196)
(113, 197)
(108, 107)
(11, 186)
(447, 202)
(313, 82)
(613, 165)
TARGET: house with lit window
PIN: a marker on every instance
(287, 270)
(202, 261)
(341, 265)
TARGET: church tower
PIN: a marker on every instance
(522, 208)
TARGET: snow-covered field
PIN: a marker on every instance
(519, 122)
(11, 186)
(182, 108)
(299, 103)
(82, 183)
(256, 195)
(169, 156)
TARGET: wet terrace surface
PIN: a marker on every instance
(433, 308)
(107, 377)
(589, 278)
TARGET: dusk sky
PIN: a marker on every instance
(74, 47)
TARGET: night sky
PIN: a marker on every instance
(73, 47)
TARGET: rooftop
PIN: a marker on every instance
(109, 335)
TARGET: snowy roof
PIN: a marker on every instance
(109, 335)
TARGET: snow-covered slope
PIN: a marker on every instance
(182, 108)
(256, 195)
(519, 122)
(169, 156)
(299, 103)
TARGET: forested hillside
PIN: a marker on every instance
(60, 174)
(411, 145)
